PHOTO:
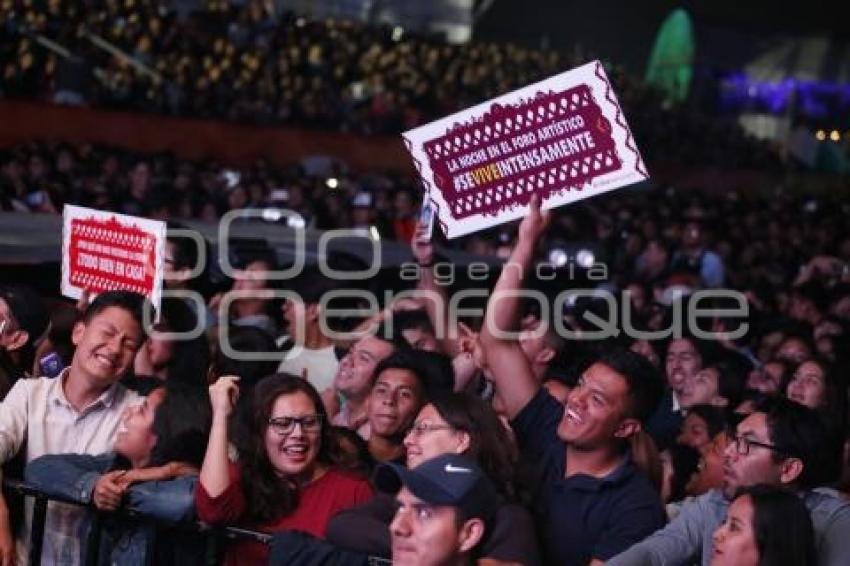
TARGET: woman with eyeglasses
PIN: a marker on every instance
(452, 423)
(288, 474)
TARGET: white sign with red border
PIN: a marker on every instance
(106, 251)
(564, 138)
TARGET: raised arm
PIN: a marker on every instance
(507, 365)
(215, 471)
(434, 297)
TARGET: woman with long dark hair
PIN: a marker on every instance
(817, 384)
(152, 471)
(287, 476)
(765, 526)
(452, 423)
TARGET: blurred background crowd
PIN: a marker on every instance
(247, 63)
(728, 207)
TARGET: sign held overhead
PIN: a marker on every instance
(105, 251)
(564, 138)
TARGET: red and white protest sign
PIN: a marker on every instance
(105, 251)
(564, 138)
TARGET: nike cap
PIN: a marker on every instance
(450, 479)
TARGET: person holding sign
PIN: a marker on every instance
(592, 502)
(79, 411)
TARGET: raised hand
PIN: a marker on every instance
(84, 300)
(423, 249)
(223, 394)
(534, 223)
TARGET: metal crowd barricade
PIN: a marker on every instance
(214, 538)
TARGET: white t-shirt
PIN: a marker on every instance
(320, 365)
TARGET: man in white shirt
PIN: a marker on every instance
(79, 411)
(313, 355)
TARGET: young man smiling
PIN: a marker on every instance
(397, 396)
(683, 361)
(79, 411)
(591, 502)
(353, 381)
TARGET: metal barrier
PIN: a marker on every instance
(214, 535)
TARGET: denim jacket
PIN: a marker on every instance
(122, 542)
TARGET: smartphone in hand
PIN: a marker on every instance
(426, 221)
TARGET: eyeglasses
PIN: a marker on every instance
(418, 429)
(743, 444)
(285, 425)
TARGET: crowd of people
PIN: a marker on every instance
(248, 63)
(517, 434)
(41, 178)
(676, 395)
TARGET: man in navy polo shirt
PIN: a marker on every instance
(591, 502)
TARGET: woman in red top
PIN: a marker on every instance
(286, 478)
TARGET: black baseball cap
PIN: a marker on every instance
(451, 479)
